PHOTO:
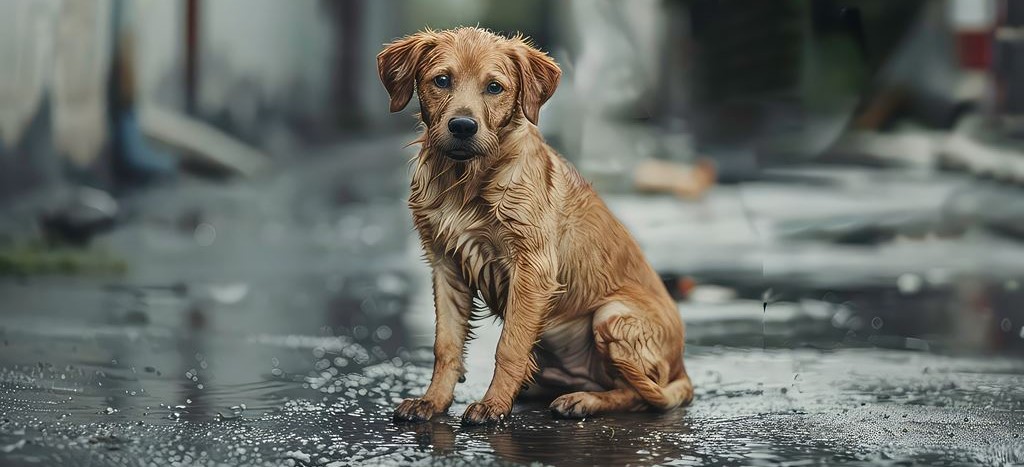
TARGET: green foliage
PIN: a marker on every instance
(39, 259)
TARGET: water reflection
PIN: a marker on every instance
(606, 441)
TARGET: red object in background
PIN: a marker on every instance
(684, 286)
(974, 49)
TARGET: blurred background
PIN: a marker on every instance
(210, 194)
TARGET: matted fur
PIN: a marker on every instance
(518, 225)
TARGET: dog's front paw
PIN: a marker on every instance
(416, 410)
(485, 412)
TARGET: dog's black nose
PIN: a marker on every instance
(462, 127)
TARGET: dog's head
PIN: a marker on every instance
(472, 85)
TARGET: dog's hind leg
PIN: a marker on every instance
(639, 348)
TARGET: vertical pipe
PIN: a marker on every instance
(191, 54)
(349, 18)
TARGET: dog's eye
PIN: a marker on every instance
(494, 88)
(443, 81)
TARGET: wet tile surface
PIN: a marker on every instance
(123, 397)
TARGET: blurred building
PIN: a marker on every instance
(744, 81)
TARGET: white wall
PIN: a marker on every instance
(285, 47)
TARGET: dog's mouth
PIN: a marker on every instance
(460, 150)
(460, 154)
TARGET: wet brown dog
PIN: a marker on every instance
(501, 214)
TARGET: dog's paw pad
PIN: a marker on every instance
(574, 405)
(415, 410)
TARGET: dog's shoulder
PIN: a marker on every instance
(520, 192)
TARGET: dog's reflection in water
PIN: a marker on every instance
(643, 438)
(435, 435)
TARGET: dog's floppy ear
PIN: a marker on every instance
(397, 65)
(538, 78)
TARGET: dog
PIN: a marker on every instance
(504, 218)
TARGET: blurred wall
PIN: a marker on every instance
(641, 79)
(275, 74)
(54, 60)
(261, 62)
(278, 75)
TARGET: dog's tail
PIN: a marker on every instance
(676, 393)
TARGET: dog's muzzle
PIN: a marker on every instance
(460, 145)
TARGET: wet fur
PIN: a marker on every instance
(583, 310)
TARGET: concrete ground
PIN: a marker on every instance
(841, 316)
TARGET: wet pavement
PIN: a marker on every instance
(278, 321)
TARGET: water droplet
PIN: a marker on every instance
(204, 234)
(909, 283)
(382, 333)
(391, 284)
(229, 293)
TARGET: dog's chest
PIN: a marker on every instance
(477, 244)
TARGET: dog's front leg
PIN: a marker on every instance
(531, 288)
(452, 308)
